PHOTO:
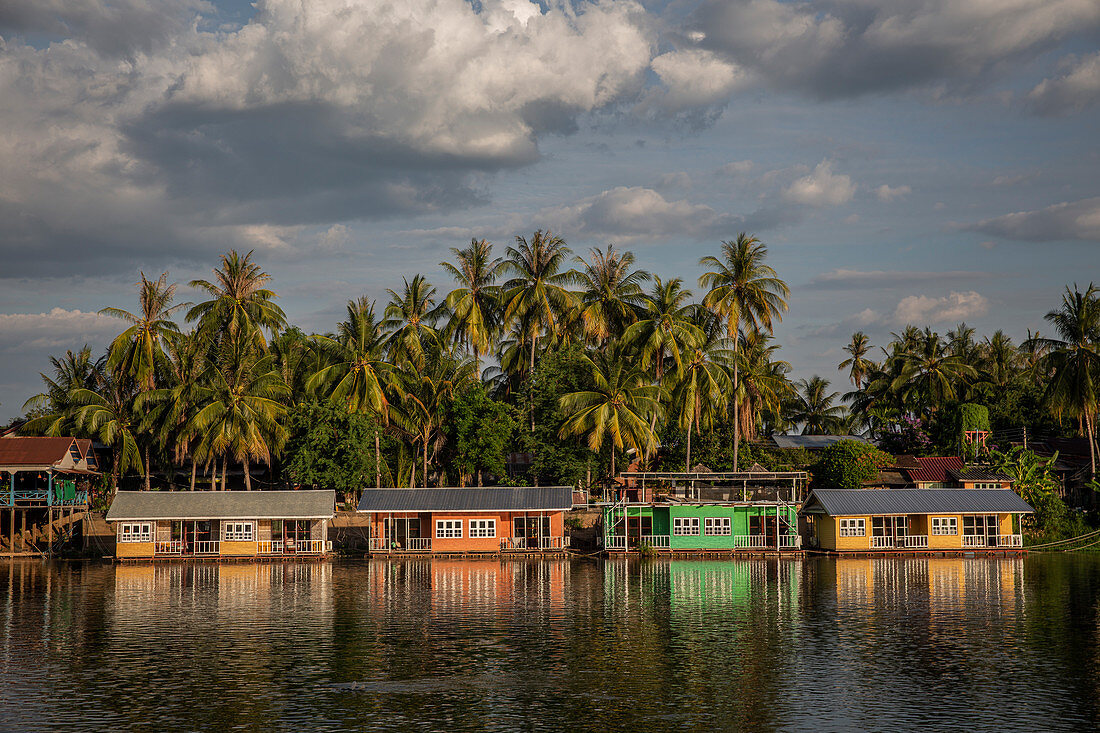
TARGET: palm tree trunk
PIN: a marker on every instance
(479, 477)
(687, 463)
(653, 420)
(425, 460)
(612, 461)
(736, 411)
(477, 362)
(194, 472)
(377, 461)
(531, 376)
(1092, 443)
(116, 471)
(247, 476)
(225, 472)
(148, 485)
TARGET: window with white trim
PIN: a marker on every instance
(945, 525)
(853, 527)
(713, 526)
(238, 531)
(986, 485)
(448, 528)
(685, 526)
(135, 532)
(483, 528)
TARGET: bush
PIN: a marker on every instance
(847, 464)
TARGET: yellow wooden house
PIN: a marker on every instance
(914, 520)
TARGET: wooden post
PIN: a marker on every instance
(11, 520)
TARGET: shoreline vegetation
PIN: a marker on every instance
(541, 367)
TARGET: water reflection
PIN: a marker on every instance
(985, 644)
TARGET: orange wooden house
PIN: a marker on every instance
(467, 520)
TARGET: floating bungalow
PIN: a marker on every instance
(221, 524)
(463, 521)
(915, 520)
(703, 511)
(47, 482)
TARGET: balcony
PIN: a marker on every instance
(657, 541)
(790, 541)
(520, 544)
(615, 542)
(750, 541)
(974, 540)
(409, 544)
(1010, 540)
(916, 541)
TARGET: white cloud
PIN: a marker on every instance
(56, 329)
(886, 193)
(635, 213)
(1077, 89)
(821, 187)
(1065, 221)
(696, 78)
(922, 309)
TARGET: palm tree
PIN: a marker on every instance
(109, 413)
(743, 290)
(1073, 361)
(239, 306)
(536, 297)
(703, 388)
(813, 406)
(475, 303)
(857, 363)
(930, 375)
(138, 352)
(239, 410)
(354, 370)
(168, 410)
(57, 410)
(763, 387)
(409, 319)
(610, 293)
(618, 406)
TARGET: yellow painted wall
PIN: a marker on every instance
(237, 549)
(1004, 523)
(944, 541)
(854, 543)
(134, 549)
(826, 531)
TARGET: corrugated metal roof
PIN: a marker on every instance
(812, 442)
(496, 498)
(979, 474)
(131, 505)
(33, 451)
(933, 469)
(849, 502)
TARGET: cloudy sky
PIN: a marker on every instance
(924, 161)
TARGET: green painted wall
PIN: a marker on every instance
(663, 516)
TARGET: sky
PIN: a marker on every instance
(918, 161)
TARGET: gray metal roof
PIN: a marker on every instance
(497, 498)
(856, 502)
(979, 474)
(133, 505)
(812, 442)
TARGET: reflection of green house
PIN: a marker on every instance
(691, 527)
(747, 511)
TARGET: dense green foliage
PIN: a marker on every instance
(480, 432)
(331, 448)
(847, 464)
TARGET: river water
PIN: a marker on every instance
(447, 645)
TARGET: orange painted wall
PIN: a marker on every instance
(466, 543)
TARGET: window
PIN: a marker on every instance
(135, 532)
(717, 526)
(685, 526)
(986, 485)
(448, 528)
(945, 525)
(483, 528)
(237, 532)
(853, 527)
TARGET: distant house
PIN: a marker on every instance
(813, 442)
(221, 524)
(45, 472)
(874, 520)
(467, 520)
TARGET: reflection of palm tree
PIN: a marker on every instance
(1073, 361)
(475, 303)
(814, 406)
(610, 293)
(410, 318)
(857, 363)
(743, 290)
(617, 407)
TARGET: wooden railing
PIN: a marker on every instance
(410, 544)
(974, 540)
(310, 546)
(791, 541)
(170, 547)
(270, 547)
(615, 542)
(1010, 540)
(915, 540)
(207, 547)
(881, 542)
(660, 541)
(532, 543)
(750, 541)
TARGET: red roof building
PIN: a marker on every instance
(932, 472)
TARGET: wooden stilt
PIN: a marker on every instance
(11, 521)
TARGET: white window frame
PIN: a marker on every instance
(853, 527)
(483, 528)
(945, 526)
(448, 529)
(135, 532)
(238, 531)
(685, 526)
(986, 485)
(717, 527)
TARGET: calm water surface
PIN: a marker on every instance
(970, 644)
